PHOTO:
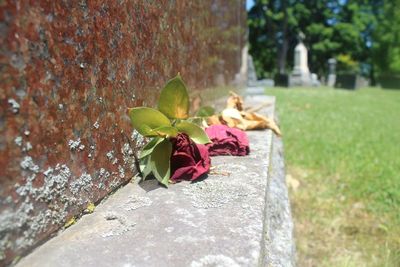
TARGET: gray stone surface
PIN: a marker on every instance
(222, 220)
(279, 240)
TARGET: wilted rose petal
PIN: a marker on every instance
(189, 160)
(227, 141)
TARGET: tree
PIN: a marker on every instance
(274, 27)
(264, 30)
(386, 43)
(332, 27)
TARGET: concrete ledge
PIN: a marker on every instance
(238, 216)
(279, 241)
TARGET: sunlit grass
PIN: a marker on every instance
(344, 149)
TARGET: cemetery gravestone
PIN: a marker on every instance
(251, 71)
(69, 70)
(332, 72)
(301, 74)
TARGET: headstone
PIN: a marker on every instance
(314, 80)
(69, 71)
(301, 74)
(252, 80)
(331, 72)
(251, 72)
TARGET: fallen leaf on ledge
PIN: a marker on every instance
(234, 101)
(235, 116)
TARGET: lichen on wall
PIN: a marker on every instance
(68, 71)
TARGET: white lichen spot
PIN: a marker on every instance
(84, 182)
(102, 176)
(27, 188)
(128, 156)
(101, 186)
(18, 141)
(115, 183)
(215, 260)
(53, 187)
(76, 145)
(135, 202)
(27, 164)
(96, 125)
(120, 225)
(121, 171)
(55, 181)
(138, 138)
(14, 105)
(27, 147)
(216, 193)
(111, 157)
(62, 176)
(48, 171)
(169, 229)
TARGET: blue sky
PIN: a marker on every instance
(249, 4)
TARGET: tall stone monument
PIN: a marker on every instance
(251, 71)
(332, 72)
(68, 72)
(301, 74)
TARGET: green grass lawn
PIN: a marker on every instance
(343, 147)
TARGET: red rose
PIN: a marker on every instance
(227, 141)
(188, 160)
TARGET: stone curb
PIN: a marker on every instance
(238, 216)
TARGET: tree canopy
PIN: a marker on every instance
(364, 32)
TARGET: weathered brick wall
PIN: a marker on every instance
(68, 71)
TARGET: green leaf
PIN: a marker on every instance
(166, 131)
(198, 121)
(206, 111)
(163, 131)
(144, 120)
(196, 133)
(174, 99)
(145, 167)
(149, 147)
(144, 129)
(160, 161)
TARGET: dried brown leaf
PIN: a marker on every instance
(232, 113)
(263, 122)
(214, 120)
(234, 101)
(235, 116)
